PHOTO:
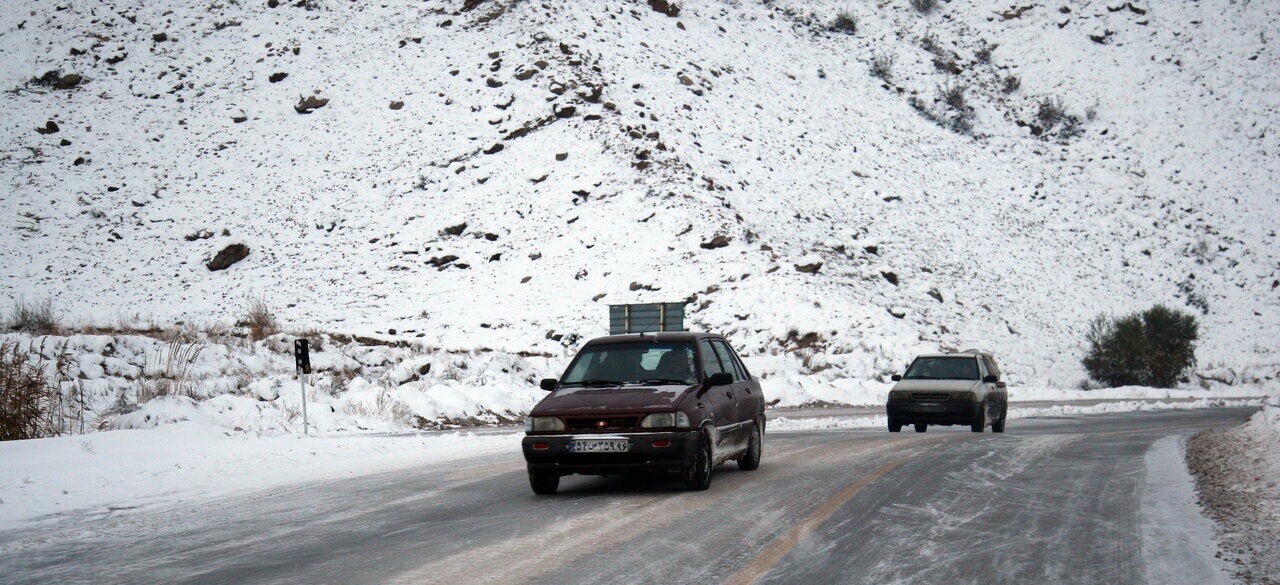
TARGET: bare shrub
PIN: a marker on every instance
(953, 96)
(1011, 84)
(983, 54)
(882, 66)
(844, 22)
(930, 44)
(261, 320)
(37, 317)
(1049, 112)
(924, 6)
(31, 406)
(1053, 118)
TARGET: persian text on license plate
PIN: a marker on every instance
(600, 446)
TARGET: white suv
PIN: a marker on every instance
(949, 389)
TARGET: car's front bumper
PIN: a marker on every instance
(641, 457)
(933, 412)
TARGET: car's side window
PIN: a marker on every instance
(710, 363)
(991, 365)
(737, 362)
(982, 368)
(726, 358)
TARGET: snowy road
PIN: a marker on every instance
(1066, 500)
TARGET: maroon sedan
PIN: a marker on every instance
(646, 403)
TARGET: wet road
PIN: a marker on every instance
(1053, 500)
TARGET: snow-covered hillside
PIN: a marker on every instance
(492, 174)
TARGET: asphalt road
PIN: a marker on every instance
(1054, 500)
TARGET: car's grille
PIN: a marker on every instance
(930, 395)
(602, 423)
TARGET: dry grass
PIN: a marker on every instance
(30, 404)
(383, 407)
(35, 317)
(173, 377)
(261, 320)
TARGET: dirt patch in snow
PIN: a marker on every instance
(1241, 492)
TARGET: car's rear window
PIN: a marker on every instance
(942, 368)
(638, 362)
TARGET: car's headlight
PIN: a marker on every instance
(665, 420)
(543, 423)
(899, 395)
(965, 396)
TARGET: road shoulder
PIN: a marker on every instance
(1237, 476)
(1177, 539)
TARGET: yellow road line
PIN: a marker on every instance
(785, 543)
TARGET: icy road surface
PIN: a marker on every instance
(1087, 499)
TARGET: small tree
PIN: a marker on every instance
(1151, 348)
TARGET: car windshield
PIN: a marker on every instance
(608, 364)
(943, 368)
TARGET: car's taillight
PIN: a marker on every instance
(662, 443)
(541, 446)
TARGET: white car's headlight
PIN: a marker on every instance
(543, 423)
(665, 420)
(965, 396)
(899, 395)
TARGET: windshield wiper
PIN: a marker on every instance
(589, 383)
(664, 381)
(919, 378)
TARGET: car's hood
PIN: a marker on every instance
(611, 400)
(935, 385)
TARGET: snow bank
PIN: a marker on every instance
(228, 383)
(809, 423)
(99, 475)
(801, 390)
(1264, 427)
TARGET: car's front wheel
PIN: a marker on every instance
(998, 425)
(544, 482)
(921, 427)
(980, 420)
(895, 426)
(697, 477)
(755, 447)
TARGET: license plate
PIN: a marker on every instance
(600, 446)
(930, 407)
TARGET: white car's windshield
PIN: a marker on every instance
(943, 368)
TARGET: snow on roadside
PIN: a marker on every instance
(1177, 540)
(101, 474)
(783, 423)
(801, 390)
(1237, 473)
(1264, 427)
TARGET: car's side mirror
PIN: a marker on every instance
(895, 377)
(991, 379)
(719, 379)
(549, 384)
